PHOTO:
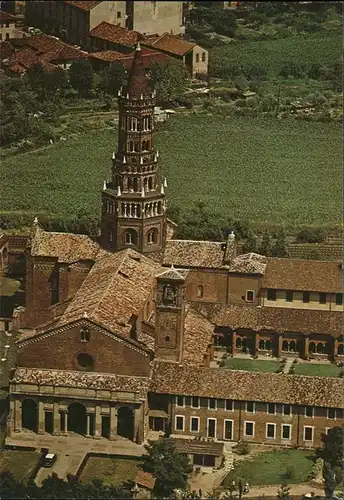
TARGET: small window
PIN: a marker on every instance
(84, 335)
(271, 408)
(289, 295)
(194, 424)
(119, 14)
(180, 400)
(249, 429)
(305, 297)
(249, 295)
(229, 405)
(271, 431)
(212, 404)
(309, 411)
(200, 291)
(250, 407)
(197, 58)
(152, 236)
(271, 294)
(339, 299)
(179, 422)
(308, 433)
(322, 298)
(167, 338)
(7, 36)
(331, 413)
(286, 410)
(203, 57)
(110, 236)
(195, 402)
(286, 432)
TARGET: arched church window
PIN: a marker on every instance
(84, 334)
(136, 147)
(267, 345)
(152, 236)
(320, 348)
(238, 343)
(150, 183)
(131, 146)
(261, 345)
(311, 347)
(340, 350)
(200, 291)
(130, 237)
(285, 345)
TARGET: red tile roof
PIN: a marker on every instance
(138, 83)
(115, 34)
(173, 44)
(149, 56)
(108, 55)
(83, 5)
(145, 479)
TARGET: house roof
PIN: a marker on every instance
(145, 479)
(308, 275)
(170, 378)
(83, 5)
(86, 380)
(138, 83)
(173, 44)
(149, 56)
(191, 446)
(249, 263)
(171, 274)
(65, 247)
(273, 319)
(107, 55)
(190, 253)
(114, 291)
(198, 335)
(115, 34)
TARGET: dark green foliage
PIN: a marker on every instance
(266, 245)
(279, 249)
(199, 224)
(169, 467)
(113, 78)
(242, 448)
(316, 235)
(168, 79)
(283, 493)
(81, 77)
(250, 243)
(46, 84)
(55, 488)
(332, 454)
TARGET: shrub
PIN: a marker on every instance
(242, 448)
(311, 236)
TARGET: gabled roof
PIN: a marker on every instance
(171, 274)
(83, 5)
(192, 253)
(307, 275)
(273, 319)
(173, 44)
(170, 378)
(149, 56)
(114, 291)
(248, 263)
(116, 34)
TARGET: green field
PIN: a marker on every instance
(275, 467)
(272, 55)
(111, 471)
(252, 365)
(20, 463)
(263, 170)
(316, 370)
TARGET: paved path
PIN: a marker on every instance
(297, 490)
(288, 365)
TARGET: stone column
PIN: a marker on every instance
(234, 338)
(56, 420)
(256, 343)
(17, 415)
(98, 423)
(113, 423)
(138, 425)
(88, 425)
(41, 418)
(306, 347)
(135, 210)
(279, 340)
(65, 423)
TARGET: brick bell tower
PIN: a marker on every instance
(133, 201)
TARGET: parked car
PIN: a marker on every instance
(49, 460)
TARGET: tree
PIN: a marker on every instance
(283, 493)
(113, 78)
(266, 246)
(250, 243)
(332, 454)
(46, 84)
(169, 79)
(169, 467)
(81, 76)
(280, 247)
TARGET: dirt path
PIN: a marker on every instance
(296, 490)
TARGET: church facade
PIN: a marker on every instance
(118, 335)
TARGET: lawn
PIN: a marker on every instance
(315, 370)
(272, 55)
(20, 463)
(259, 169)
(112, 471)
(275, 467)
(252, 365)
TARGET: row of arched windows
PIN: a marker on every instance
(131, 236)
(137, 147)
(291, 346)
(134, 124)
(319, 348)
(134, 184)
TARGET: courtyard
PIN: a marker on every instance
(112, 471)
(20, 463)
(273, 467)
(317, 369)
(252, 365)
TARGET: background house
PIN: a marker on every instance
(7, 26)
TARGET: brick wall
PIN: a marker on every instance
(260, 417)
(60, 352)
(214, 286)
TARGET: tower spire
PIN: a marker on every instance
(138, 82)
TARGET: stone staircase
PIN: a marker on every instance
(228, 464)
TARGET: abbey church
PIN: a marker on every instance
(118, 336)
